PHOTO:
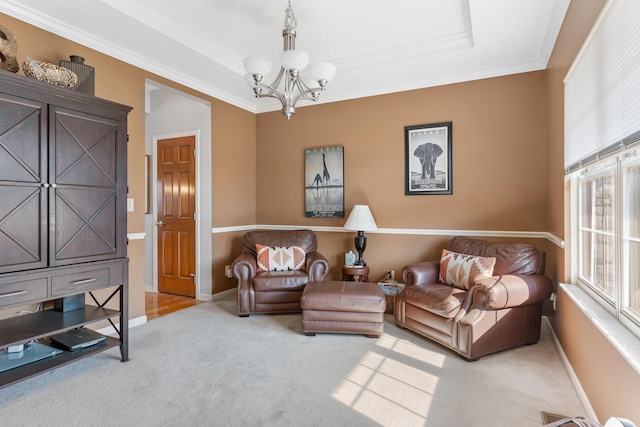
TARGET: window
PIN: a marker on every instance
(602, 158)
(608, 200)
(631, 241)
(597, 232)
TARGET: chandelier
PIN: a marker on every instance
(292, 62)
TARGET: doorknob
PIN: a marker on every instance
(159, 223)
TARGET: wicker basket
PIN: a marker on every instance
(390, 288)
(50, 73)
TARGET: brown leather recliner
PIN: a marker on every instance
(276, 291)
(494, 314)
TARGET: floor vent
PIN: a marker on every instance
(548, 418)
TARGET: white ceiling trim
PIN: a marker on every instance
(553, 29)
(328, 96)
(55, 26)
(475, 39)
(165, 24)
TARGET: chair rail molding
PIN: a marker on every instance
(412, 231)
(136, 236)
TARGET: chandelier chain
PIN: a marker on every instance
(290, 21)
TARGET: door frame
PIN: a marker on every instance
(154, 204)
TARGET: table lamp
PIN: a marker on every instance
(360, 220)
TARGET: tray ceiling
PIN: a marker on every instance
(378, 46)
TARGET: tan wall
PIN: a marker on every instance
(233, 137)
(234, 184)
(610, 383)
(608, 380)
(499, 165)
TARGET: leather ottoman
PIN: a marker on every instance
(343, 307)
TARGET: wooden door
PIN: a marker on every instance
(23, 184)
(86, 169)
(176, 215)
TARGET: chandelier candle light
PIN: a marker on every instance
(292, 63)
(360, 220)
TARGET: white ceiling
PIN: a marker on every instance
(378, 46)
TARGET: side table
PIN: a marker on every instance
(355, 274)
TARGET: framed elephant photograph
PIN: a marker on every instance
(428, 159)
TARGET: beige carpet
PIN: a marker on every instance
(205, 366)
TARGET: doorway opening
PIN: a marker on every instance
(174, 115)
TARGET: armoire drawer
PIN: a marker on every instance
(81, 281)
(19, 292)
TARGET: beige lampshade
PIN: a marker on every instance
(360, 219)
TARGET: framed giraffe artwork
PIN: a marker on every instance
(428, 159)
(324, 182)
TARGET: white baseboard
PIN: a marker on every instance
(141, 320)
(199, 297)
(204, 297)
(109, 330)
(222, 294)
(572, 375)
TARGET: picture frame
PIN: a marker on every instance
(428, 159)
(324, 182)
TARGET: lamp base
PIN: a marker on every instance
(361, 244)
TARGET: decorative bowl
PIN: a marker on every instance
(50, 73)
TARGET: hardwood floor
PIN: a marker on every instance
(158, 304)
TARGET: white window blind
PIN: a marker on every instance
(602, 87)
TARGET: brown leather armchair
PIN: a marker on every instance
(276, 291)
(494, 314)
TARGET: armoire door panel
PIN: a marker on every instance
(23, 150)
(21, 229)
(84, 157)
(19, 161)
(87, 216)
(85, 203)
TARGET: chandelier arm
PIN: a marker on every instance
(271, 93)
(306, 91)
(278, 79)
(290, 85)
(302, 86)
(307, 96)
